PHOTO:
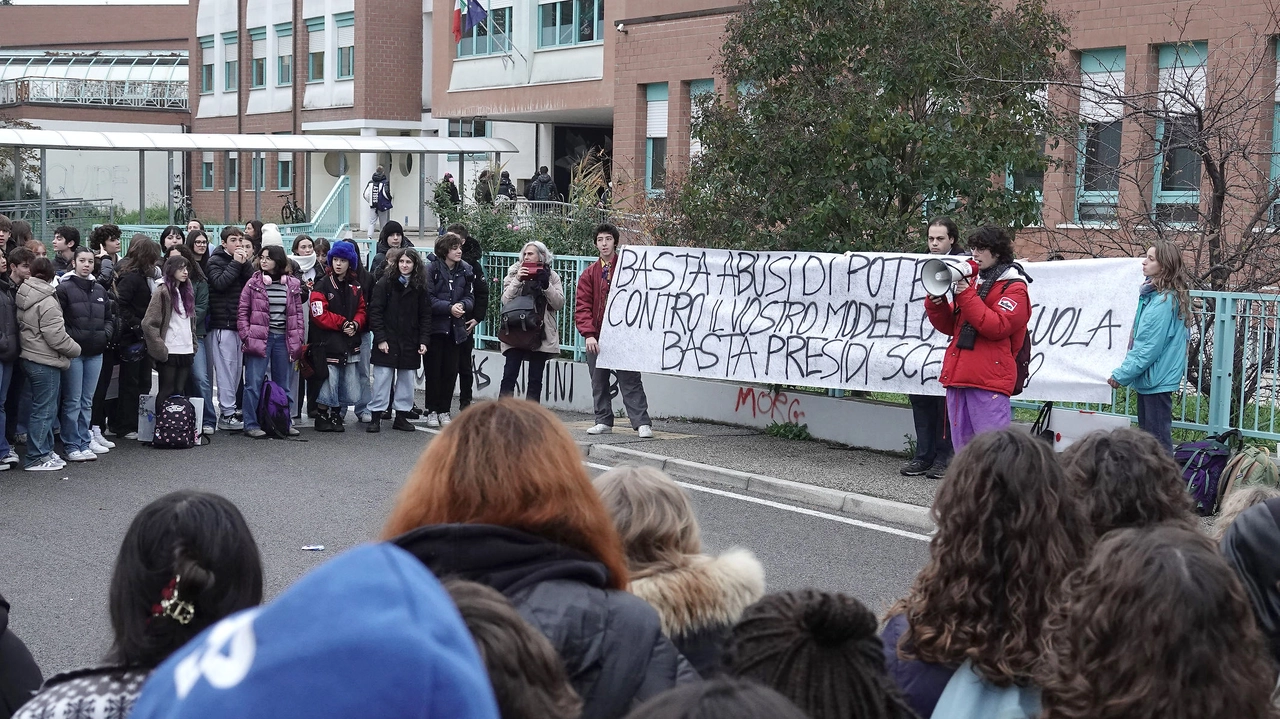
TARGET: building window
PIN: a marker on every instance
(1030, 179)
(206, 64)
(284, 54)
(1177, 164)
(1101, 127)
(570, 22)
(315, 49)
(233, 173)
(284, 171)
(206, 79)
(488, 37)
(258, 59)
(468, 128)
(697, 88)
(231, 64)
(206, 175)
(346, 24)
(655, 144)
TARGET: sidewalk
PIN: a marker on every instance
(855, 482)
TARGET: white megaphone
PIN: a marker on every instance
(937, 275)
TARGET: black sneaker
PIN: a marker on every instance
(914, 468)
(937, 471)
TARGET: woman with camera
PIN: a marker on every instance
(987, 324)
(532, 277)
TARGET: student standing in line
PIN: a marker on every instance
(88, 314)
(65, 241)
(987, 324)
(253, 233)
(200, 383)
(321, 248)
(171, 237)
(449, 280)
(270, 322)
(400, 317)
(135, 282)
(230, 267)
(1157, 356)
(473, 254)
(170, 328)
(337, 321)
(105, 243)
(9, 348)
(933, 441)
(365, 374)
(588, 315)
(47, 349)
(19, 260)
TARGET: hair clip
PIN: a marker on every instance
(172, 606)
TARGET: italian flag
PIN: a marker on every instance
(458, 12)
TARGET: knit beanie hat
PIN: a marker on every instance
(343, 250)
(818, 649)
(271, 235)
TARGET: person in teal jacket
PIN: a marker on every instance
(1157, 355)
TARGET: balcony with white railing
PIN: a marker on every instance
(127, 94)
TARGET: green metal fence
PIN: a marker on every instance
(568, 267)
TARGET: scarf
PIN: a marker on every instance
(986, 279)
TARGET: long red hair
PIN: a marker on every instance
(513, 464)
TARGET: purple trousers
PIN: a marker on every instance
(974, 411)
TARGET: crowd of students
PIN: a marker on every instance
(1071, 587)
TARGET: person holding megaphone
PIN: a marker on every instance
(987, 323)
(929, 412)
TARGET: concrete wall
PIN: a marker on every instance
(872, 425)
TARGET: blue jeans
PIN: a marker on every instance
(342, 388)
(201, 382)
(44, 381)
(255, 370)
(366, 388)
(1155, 416)
(79, 381)
(6, 376)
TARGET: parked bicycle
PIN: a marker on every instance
(292, 213)
(183, 211)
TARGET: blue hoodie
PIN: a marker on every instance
(368, 634)
(1157, 356)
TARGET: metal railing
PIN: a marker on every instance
(139, 94)
(568, 267)
(80, 213)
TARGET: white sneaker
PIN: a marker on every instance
(207, 430)
(61, 462)
(445, 419)
(100, 439)
(48, 465)
(97, 448)
(4, 468)
(433, 420)
(601, 429)
(366, 418)
(83, 455)
(131, 435)
(10, 458)
(645, 431)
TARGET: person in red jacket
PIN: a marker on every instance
(987, 324)
(337, 321)
(588, 315)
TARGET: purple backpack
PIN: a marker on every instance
(273, 410)
(1202, 463)
(175, 424)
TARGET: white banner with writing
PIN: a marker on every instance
(848, 322)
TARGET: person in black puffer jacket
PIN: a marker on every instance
(400, 318)
(391, 237)
(501, 498)
(88, 314)
(20, 678)
(337, 322)
(135, 280)
(228, 269)
(472, 253)
(449, 280)
(9, 348)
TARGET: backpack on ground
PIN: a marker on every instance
(1250, 466)
(520, 324)
(175, 424)
(1202, 464)
(273, 410)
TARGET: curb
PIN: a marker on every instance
(862, 505)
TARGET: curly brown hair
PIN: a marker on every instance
(1156, 625)
(1009, 531)
(1124, 479)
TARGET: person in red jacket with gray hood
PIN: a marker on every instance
(588, 315)
(987, 324)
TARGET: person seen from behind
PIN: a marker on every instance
(377, 196)
(929, 411)
(987, 324)
(187, 560)
(588, 315)
(47, 350)
(532, 277)
(1004, 510)
(90, 322)
(719, 698)
(484, 188)
(400, 317)
(501, 497)
(1251, 546)
(270, 322)
(1156, 626)
(1124, 478)
(137, 277)
(1157, 356)
(698, 597)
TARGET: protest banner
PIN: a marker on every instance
(852, 322)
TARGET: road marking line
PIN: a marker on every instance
(791, 508)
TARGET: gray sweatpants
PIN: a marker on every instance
(228, 365)
(383, 377)
(629, 386)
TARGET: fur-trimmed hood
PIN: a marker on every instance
(711, 591)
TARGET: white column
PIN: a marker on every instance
(368, 163)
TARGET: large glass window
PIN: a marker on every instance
(206, 78)
(206, 175)
(570, 22)
(284, 174)
(1100, 171)
(346, 62)
(346, 24)
(1177, 163)
(655, 165)
(315, 49)
(284, 54)
(207, 61)
(258, 72)
(489, 37)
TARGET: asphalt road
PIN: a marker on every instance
(60, 531)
